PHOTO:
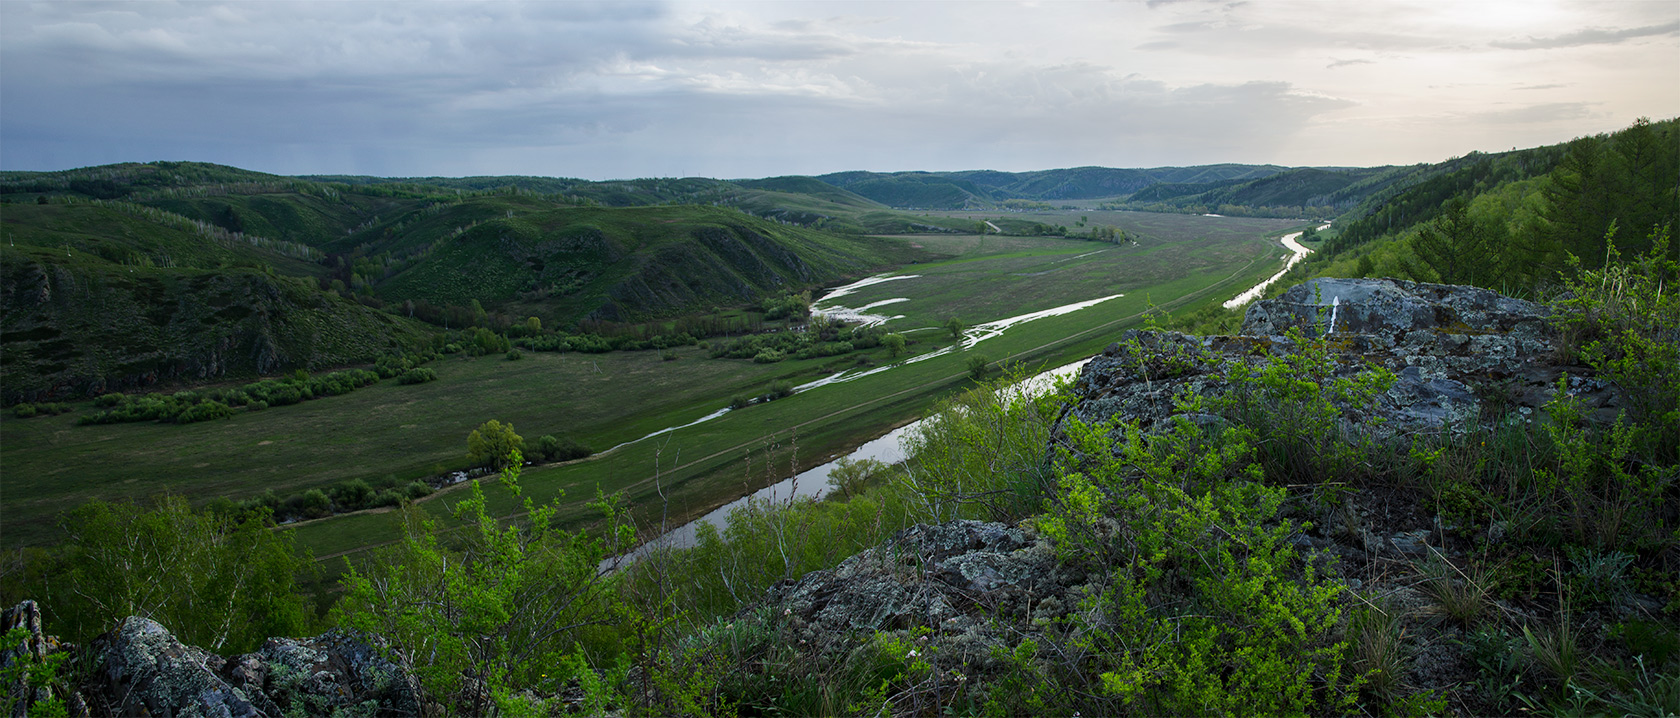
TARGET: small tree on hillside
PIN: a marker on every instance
(894, 344)
(955, 326)
(492, 444)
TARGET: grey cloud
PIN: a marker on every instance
(1589, 36)
(1549, 86)
(1346, 63)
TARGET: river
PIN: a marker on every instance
(1288, 243)
(813, 483)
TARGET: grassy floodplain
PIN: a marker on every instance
(605, 399)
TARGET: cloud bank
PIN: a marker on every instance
(753, 89)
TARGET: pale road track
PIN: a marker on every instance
(795, 428)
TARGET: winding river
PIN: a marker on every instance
(1293, 246)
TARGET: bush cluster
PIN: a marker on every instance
(185, 407)
(596, 344)
(342, 497)
(28, 410)
(820, 339)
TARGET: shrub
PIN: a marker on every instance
(493, 444)
(417, 375)
(490, 618)
(352, 495)
(777, 390)
(204, 412)
(551, 448)
(1207, 608)
(514, 355)
(24, 411)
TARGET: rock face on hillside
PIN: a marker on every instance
(139, 668)
(1455, 351)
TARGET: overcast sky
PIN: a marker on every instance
(754, 89)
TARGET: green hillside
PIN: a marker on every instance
(1512, 220)
(90, 313)
(566, 264)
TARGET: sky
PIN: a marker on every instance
(757, 89)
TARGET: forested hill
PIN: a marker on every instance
(1515, 221)
(122, 276)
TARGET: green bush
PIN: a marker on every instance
(1207, 608)
(203, 412)
(417, 375)
(484, 620)
(551, 448)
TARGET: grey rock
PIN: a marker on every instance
(1410, 543)
(1455, 353)
(956, 578)
(142, 669)
(145, 671)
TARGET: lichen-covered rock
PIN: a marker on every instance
(139, 668)
(145, 671)
(335, 671)
(1454, 351)
(960, 579)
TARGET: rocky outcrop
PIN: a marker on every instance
(967, 589)
(962, 579)
(1459, 354)
(139, 668)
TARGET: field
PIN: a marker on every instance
(603, 400)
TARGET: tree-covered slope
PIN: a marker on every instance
(76, 323)
(572, 263)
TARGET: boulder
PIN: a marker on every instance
(961, 579)
(143, 670)
(140, 668)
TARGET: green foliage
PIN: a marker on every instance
(1207, 608)
(216, 581)
(1623, 320)
(978, 367)
(484, 620)
(31, 682)
(417, 375)
(494, 444)
(1603, 499)
(1303, 411)
(982, 453)
(849, 477)
(894, 343)
(1460, 249)
(550, 448)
